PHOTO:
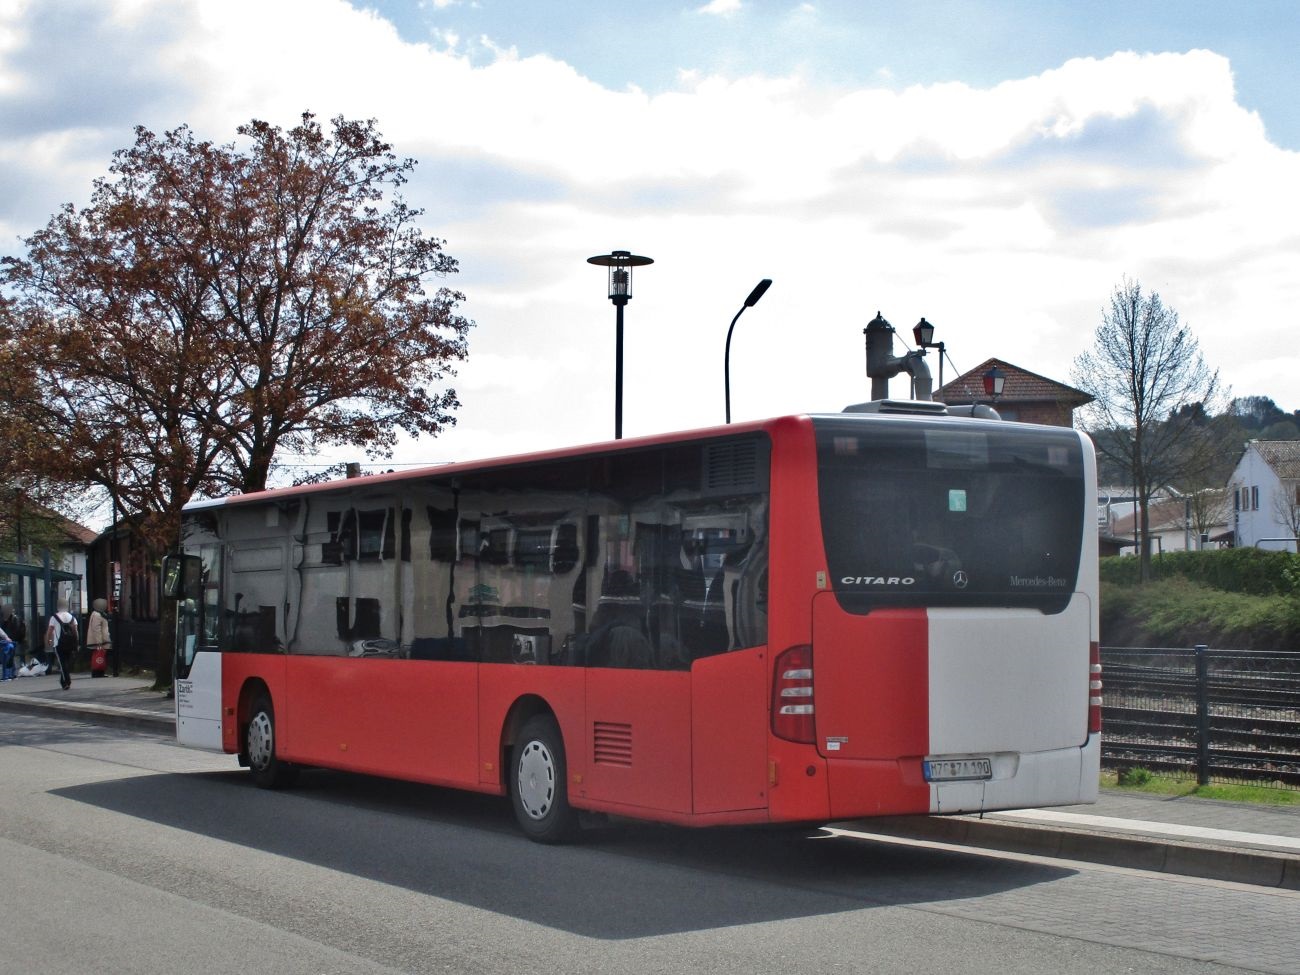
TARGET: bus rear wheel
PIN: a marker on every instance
(539, 783)
(268, 771)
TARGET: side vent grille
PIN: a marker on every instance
(613, 744)
(731, 466)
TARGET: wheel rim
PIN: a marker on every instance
(536, 782)
(261, 740)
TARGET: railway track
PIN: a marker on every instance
(1252, 703)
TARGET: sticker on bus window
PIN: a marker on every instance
(957, 500)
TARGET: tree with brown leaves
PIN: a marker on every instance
(35, 482)
(216, 306)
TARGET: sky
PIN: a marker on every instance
(996, 167)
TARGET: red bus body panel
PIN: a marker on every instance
(504, 687)
(729, 734)
(871, 688)
(871, 682)
(384, 717)
(638, 741)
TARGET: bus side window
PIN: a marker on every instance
(618, 636)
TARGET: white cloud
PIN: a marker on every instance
(720, 8)
(1004, 214)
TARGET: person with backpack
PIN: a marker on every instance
(61, 639)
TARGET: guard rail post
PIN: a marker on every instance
(1202, 717)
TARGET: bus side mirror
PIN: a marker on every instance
(173, 576)
(182, 577)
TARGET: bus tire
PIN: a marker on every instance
(266, 767)
(539, 783)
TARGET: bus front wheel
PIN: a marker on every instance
(539, 784)
(268, 771)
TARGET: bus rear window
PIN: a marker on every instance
(949, 512)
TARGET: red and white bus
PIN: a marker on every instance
(806, 619)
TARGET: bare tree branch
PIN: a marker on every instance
(1151, 389)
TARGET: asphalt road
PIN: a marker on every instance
(121, 852)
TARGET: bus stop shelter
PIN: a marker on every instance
(34, 594)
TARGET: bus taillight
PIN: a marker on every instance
(792, 696)
(1094, 688)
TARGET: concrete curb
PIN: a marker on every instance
(135, 719)
(1262, 868)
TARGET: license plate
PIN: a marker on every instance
(958, 769)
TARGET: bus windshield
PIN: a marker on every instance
(956, 513)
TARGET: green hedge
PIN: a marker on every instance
(1182, 613)
(1250, 571)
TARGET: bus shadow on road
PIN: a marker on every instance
(625, 881)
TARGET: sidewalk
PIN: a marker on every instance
(1235, 841)
(122, 702)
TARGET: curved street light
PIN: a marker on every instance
(750, 302)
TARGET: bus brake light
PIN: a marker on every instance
(1094, 688)
(793, 707)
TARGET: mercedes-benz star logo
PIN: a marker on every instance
(959, 579)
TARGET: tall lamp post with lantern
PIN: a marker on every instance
(923, 332)
(620, 264)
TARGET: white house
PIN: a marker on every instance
(1265, 493)
(1175, 525)
(1178, 522)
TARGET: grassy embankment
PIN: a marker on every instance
(1236, 599)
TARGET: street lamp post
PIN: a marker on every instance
(620, 264)
(923, 332)
(759, 290)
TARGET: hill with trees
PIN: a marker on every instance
(1245, 418)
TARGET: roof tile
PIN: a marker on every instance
(1021, 386)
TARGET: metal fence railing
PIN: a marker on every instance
(1218, 715)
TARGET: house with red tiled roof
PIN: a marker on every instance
(1177, 523)
(1026, 396)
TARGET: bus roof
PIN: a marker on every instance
(445, 470)
(892, 411)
